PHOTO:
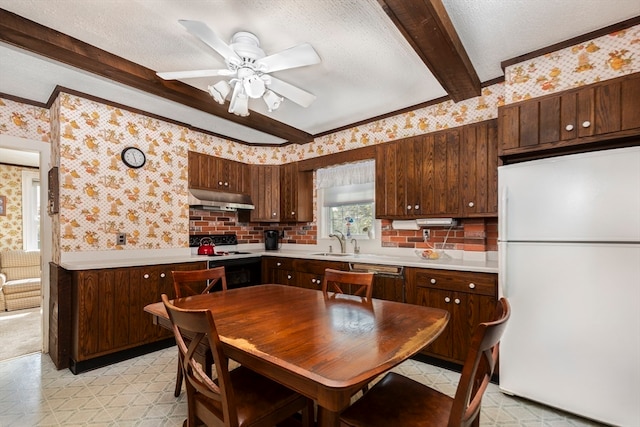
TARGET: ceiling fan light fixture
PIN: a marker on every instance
(219, 91)
(272, 100)
(253, 86)
(239, 104)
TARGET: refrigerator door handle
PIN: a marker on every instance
(502, 214)
(502, 270)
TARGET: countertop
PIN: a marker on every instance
(113, 259)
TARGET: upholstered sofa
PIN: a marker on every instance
(20, 284)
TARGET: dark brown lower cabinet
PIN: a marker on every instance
(107, 309)
(306, 273)
(470, 298)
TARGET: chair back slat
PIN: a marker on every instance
(193, 282)
(337, 281)
(478, 368)
(200, 327)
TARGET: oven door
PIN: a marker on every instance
(240, 272)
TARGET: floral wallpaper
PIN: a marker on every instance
(11, 222)
(603, 58)
(100, 196)
(24, 121)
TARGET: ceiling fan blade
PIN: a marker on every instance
(191, 74)
(204, 33)
(297, 56)
(293, 93)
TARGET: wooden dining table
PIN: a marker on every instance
(326, 347)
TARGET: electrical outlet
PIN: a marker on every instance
(426, 233)
(121, 239)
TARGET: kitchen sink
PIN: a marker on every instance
(331, 254)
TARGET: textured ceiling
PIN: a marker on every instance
(367, 69)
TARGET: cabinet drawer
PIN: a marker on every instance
(479, 283)
(318, 267)
(283, 263)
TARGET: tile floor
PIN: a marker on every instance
(139, 392)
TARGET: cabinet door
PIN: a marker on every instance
(429, 297)
(400, 179)
(469, 298)
(479, 169)
(296, 194)
(386, 181)
(388, 288)
(220, 174)
(308, 280)
(590, 114)
(193, 166)
(229, 176)
(408, 176)
(200, 167)
(87, 321)
(265, 193)
(445, 174)
(630, 103)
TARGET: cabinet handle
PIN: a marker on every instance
(408, 207)
(586, 124)
(278, 264)
(568, 128)
(447, 299)
(433, 281)
(472, 285)
(162, 275)
(146, 276)
(226, 184)
(292, 213)
(273, 214)
(313, 280)
(457, 301)
(471, 204)
(416, 207)
(219, 183)
(289, 276)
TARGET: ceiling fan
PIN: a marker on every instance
(248, 68)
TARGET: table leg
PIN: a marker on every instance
(327, 418)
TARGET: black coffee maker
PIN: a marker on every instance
(271, 240)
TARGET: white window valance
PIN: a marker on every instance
(349, 174)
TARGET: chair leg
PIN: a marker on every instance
(179, 377)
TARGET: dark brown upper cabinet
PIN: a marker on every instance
(571, 120)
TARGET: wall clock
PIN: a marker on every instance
(133, 157)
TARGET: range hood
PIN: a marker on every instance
(218, 201)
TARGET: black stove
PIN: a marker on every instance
(216, 239)
(240, 271)
(227, 253)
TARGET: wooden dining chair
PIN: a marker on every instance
(398, 400)
(347, 282)
(240, 397)
(193, 282)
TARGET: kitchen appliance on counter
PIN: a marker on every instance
(271, 240)
(569, 247)
(206, 247)
(240, 271)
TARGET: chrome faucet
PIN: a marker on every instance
(356, 248)
(341, 239)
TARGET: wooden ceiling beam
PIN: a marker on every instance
(427, 27)
(33, 37)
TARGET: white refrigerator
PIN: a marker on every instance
(569, 259)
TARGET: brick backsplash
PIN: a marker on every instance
(477, 234)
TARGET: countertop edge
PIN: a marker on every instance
(405, 261)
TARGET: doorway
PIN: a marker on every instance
(43, 152)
